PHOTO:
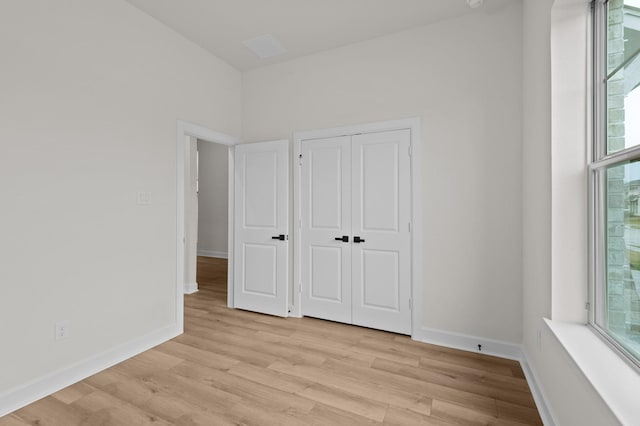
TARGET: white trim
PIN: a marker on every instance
(295, 310)
(231, 231)
(200, 132)
(469, 343)
(536, 391)
(616, 384)
(413, 124)
(213, 253)
(417, 280)
(189, 129)
(381, 126)
(492, 347)
(190, 288)
(43, 386)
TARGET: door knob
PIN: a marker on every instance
(357, 239)
(344, 238)
(280, 237)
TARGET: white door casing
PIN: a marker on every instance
(261, 211)
(191, 215)
(357, 187)
(326, 197)
(183, 131)
(381, 263)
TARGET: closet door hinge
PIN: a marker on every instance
(410, 150)
(300, 160)
(410, 305)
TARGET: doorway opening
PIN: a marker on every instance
(207, 226)
(188, 135)
(212, 282)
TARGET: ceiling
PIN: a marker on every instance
(302, 27)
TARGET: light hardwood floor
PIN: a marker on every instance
(232, 367)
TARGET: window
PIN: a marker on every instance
(615, 175)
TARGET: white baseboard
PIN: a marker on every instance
(536, 391)
(60, 379)
(190, 288)
(469, 343)
(490, 347)
(213, 253)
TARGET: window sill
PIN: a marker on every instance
(614, 380)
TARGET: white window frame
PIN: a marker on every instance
(599, 162)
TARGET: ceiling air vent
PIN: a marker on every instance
(265, 46)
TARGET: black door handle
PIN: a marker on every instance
(280, 237)
(344, 238)
(358, 240)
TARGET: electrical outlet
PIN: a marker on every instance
(62, 329)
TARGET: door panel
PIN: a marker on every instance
(326, 215)
(381, 281)
(379, 186)
(261, 189)
(325, 184)
(261, 213)
(260, 269)
(380, 271)
(326, 281)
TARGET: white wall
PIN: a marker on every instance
(536, 171)
(462, 77)
(213, 199)
(572, 399)
(91, 91)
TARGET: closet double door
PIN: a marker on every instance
(355, 230)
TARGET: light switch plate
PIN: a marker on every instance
(143, 198)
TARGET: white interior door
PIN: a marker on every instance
(261, 226)
(326, 228)
(381, 261)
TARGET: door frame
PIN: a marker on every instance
(414, 126)
(184, 131)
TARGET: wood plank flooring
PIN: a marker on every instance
(232, 367)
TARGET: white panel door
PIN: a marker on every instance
(381, 249)
(326, 228)
(261, 227)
